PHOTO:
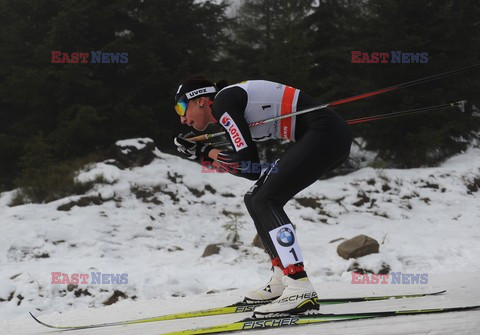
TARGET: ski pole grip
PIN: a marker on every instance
(204, 137)
(199, 138)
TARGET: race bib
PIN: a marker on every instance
(286, 245)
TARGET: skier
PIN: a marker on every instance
(322, 142)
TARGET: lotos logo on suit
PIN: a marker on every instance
(226, 121)
(232, 129)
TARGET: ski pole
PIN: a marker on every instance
(459, 104)
(347, 100)
(399, 86)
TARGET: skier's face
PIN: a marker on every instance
(197, 114)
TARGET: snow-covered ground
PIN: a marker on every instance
(149, 227)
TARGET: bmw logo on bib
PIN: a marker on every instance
(285, 237)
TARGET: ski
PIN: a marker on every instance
(300, 320)
(240, 307)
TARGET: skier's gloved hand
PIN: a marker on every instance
(191, 150)
(184, 146)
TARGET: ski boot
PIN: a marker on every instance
(271, 291)
(298, 297)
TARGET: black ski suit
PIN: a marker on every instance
(322, 142)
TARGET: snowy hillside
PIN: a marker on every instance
(150, 225)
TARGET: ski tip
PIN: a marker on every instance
(439, 292)
(40, 322)
(34, 317)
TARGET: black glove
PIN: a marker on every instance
(191, 150)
